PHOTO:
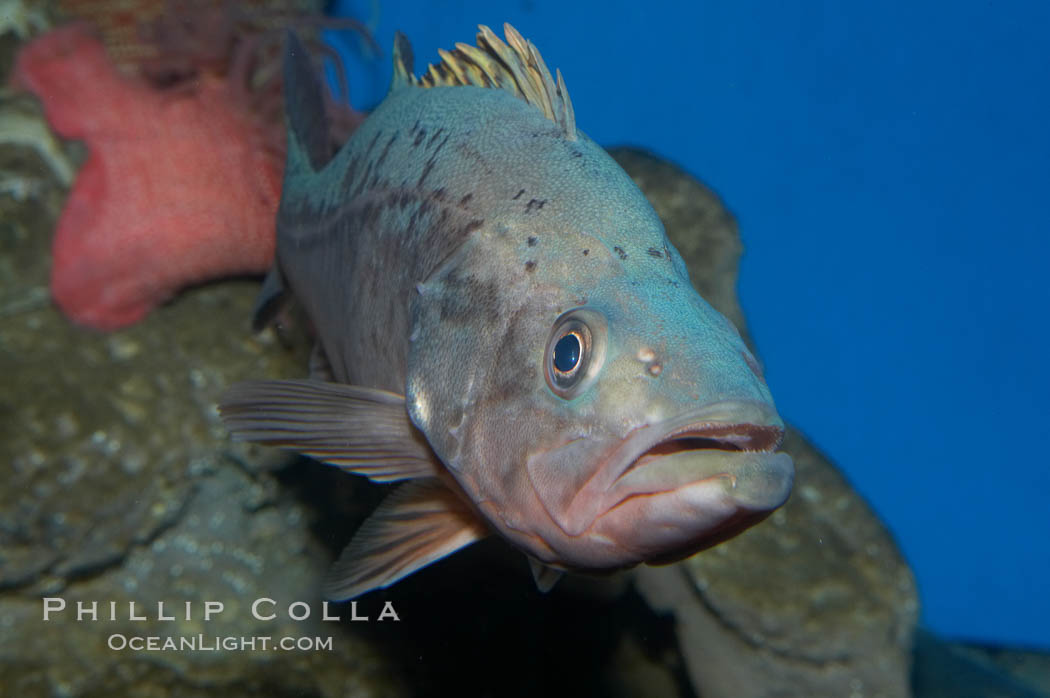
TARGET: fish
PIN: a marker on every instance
(504, 328)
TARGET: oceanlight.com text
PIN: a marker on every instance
(216, 643)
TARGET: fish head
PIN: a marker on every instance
(671, 443)
(595, 415)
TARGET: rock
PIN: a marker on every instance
(235, 540)
(946, 670)
(815, 601)
(123, 486)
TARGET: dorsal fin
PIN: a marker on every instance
(404, 61)
(304, 104)
(515, 66)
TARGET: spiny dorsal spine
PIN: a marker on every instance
(515, 66)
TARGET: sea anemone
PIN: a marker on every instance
(185, 146)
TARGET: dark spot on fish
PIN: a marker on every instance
(386, 149)
(653, 252)
(415, 127)
(369, 215)
(472, 155)
(620, 251)
(439, 145)
(427, 167)
(435, 136)
(472, 226)
(586, 252)
(423, 211)
(372, 143)
(576, 153)
(536, 204)
(350, 175)
(531, 242)
(673, 282)
(438, 194)
(362, 181)
(530, 266)
(464, 299)
(466, 200)
(518, 195)
(419, 137)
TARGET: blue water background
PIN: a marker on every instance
(889, 165)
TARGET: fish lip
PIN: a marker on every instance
(731, 425)
(736, 425)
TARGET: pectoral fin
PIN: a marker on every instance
(363, 430)
(418, 523)
(544, 575)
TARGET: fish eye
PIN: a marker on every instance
(572, 350)
(567, 358)
(567, 354)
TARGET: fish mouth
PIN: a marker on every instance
(718, 437)
(735, 442)
(720, 457)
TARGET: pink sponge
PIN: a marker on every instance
(180, 186)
